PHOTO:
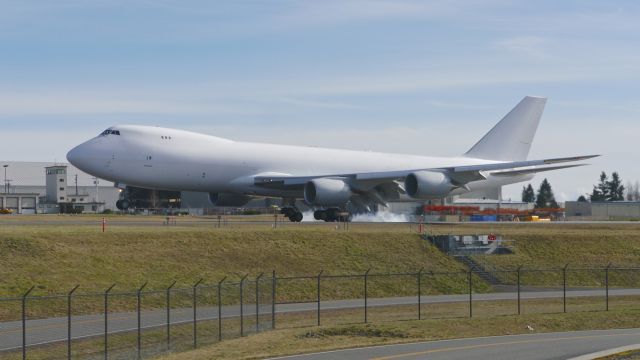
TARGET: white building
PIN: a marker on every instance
(44, 187)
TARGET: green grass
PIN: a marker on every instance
(58, 252)
(306, 340)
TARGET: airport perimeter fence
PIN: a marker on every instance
(144, 323)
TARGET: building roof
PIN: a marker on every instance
(22, 173)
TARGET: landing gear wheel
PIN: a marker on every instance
(293, 214)
(331, 215)
(296, 217)
(122, 204)
(320, 215)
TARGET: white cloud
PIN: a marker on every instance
(319, 103)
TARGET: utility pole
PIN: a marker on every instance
(95, 198)
(6, 190)
(76, 180)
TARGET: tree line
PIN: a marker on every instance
(606, 190)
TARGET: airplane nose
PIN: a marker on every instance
(77, 157)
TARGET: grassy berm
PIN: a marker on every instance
(58, 257)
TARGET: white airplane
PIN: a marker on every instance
(233, 172)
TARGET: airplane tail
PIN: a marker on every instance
(511, 138)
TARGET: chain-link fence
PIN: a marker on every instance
(143, 323)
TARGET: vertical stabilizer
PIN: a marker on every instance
(511, 138)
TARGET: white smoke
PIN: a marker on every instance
(379, 217)
(382, 216)
(308, 217)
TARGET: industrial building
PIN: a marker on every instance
(51, 188)
(46, 188)
(606, 210)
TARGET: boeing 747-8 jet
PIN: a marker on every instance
(233, 172)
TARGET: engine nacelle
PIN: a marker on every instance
(327, 192)
(427, 185)
(229, 199)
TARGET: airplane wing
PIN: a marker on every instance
(460, 175)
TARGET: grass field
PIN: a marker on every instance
(56, 253)
(59, 256)
(293, 341)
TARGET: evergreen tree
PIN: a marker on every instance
(545, 197)
(630, 191)
(614, 188)
(528, 195)
(581, 198)
(601, 191)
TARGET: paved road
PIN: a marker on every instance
(51, 330)
(523, 347)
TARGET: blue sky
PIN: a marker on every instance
(421, 77)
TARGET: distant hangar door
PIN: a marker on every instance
(12, 203)
(28, 205)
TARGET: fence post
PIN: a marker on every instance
(24, 322)
(169, 314)
(606, 284)
(195, 313)
(564, 288)
(258, 302)
(273, 301)
(220, 308)
(318, 296)
(242, 306)
(366, 296)
(69, 320)
(470, 293)
(106, 321)
(420, 293)
(138, 298)
(518, 279)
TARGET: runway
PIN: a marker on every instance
(522, 347)
(52, 330)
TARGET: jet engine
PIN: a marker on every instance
(327, 192)
(427, 185)
(228, 199)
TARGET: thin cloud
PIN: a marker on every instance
(529, 46)
(83, 101)
(320, 104)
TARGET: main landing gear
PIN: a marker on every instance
(292, 213)
(332, 215)
(122, 204)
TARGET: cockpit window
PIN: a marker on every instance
(110, 132)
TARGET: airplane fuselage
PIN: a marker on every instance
(161, 158)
